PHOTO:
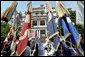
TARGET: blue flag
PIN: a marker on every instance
(51, 25)
(75, 39)
(52, 28)
(74, 33)
(64, 28)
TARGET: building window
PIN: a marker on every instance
(42, 32)
(34, 23)
(36, 13)
(42, 22)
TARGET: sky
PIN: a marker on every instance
(22, 5)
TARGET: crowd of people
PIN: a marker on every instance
(39, 47)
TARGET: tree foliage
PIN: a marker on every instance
(80, 28)
(72, 15)
(4, 29)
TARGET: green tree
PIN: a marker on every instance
(20, 14)
(80, 28)
(4, 29)
(72, 15)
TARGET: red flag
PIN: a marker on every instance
(22, 44)
(23, 37)
(27, 24)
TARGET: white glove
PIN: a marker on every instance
(17, 41)
(61, 40)
(30, 38)
(47, 39)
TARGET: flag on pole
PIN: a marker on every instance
(21, 46)
(29, 7)
(64, 27)
(52, 26)
(27, 22)
(75, 39)
(16, 19)
(61, 9)
(75, 35)
(8, 12)
(68, 26)
(14, 31)
(24, 34)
